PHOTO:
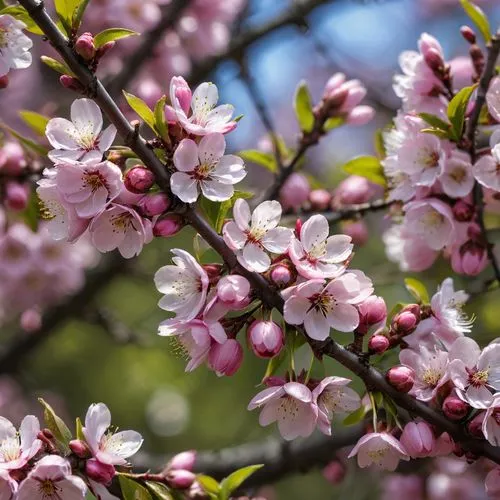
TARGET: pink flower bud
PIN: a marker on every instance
(16, 195)
(372, 311)
(475, 426)
(102, 51)
(234, 291)
(281, 275)
(12, 160)
(71, 83)
(354, 190)
(139, 180)
(357, 231)
(463, 211)
(154, 204)
(31, 320)
(79, 448)
(168, 226)
(401, 378)
(434, 60)
(295, 191)
(4, 82)
(356, 93)
(320, 199)
(378, 344)
(298, 227)
(226, 358)
(333, 84)
(99, 472)
(427, 43)
(85, 46)
(418, 439)
(468, 34)
(334, 472)
(454, 408)
(469, 259)
(266, 338)
(184, 461)
(360, 115)
(406, 320)
(180, 479)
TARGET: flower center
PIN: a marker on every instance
(122, 222)
(431, 377)
(255, 234)
(10, 449)
(203, 171)
(322, 302)
(48, 489)
(429, 159)
(94, 180)
(458, 174)
(379, 454)
(433, 219)
(50, 209)
(288, 408)
(3, 39)
(330, 400)
(317, 251)
(478, 378)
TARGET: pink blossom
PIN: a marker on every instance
(12, 158)
(206, 117)
(379, 449)
(317, 255)
(291, 405)
(14, 45)
(108, 447)
(17, 246)
(493, 98)
(204, 167)
(17, 449)
(51, 478)
(418, 439)
(321, 307)
(234, 290)
(456, 179)
(491, 422)
(492, 483)
(333, 396)
(225, 358)
(250, 235)
(354, 190)
(486, 170)
(295, 191)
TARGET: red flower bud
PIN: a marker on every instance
(79, 448)
(266, 338)
(99, 472)
(168, 226)
(434, 60)
(85, 46)
(454, 408)
(468, 34)
(320, 199)
(401, 378)
(226, 358)
(154, 204)
(71, 83)
(281, 275)
(16, 195)
(139, 179)
(183, 461)
(180, 479)
(378, 344)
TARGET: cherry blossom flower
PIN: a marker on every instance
(250, 235)
(17, 449)
(430, 367)
(493, 98)
(8, 486)
(291, 405)
(88, 187)
(332, 396)
(206, 117)
(82, 138)
(486, 170)
(317, 255)
(14, 45)
(491, 422)
(108, 448)
(418, 439)
(119, 226)
(184, 286)
(232, 293)
(456, 179)
(51, 479)
(475, 372)
(379, 449)
(321, 307)
(204, 167)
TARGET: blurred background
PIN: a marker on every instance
(110, 351)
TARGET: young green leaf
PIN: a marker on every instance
(418, 290)
(266, 160)
(235, 480)
(303, 107)
(79, 429)
(78, 14)
(21, 14)
(35, 121)
(210, 209)
(478, 17)
(112, 34)
(355, 417)
(141, 108)
(366, 166)
(332, 123)
(65, 10)
(225, 206)
(161, 124)
(58, 66)
(209, 484)
(132, 490)
(56, 425)
(456, 110)
(160, 491)
(435, 121)
(438, 133)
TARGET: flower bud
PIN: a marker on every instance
(139, 179)
(334, 83)
(281, 275)
(334, 472)
(180, 479)
(298, 227)
(234, 291)
(360, 115)
(434, 60)
(266, 338)
(475, 426)
(463, 211)
(85, 46)
(79, 448)
(12, 160)
(168, 226)
(295, 191)
(401, 378)
(102, 51)
(406, 320)
(372, 311)
(378, 344)
(226, 358)
(99, 472)
(357, 230)
(31, 320)
(418, 439)
(71, 83)
(213, 271)
(470, 259)
(468, 34)
(454, 408)
(4, 82)
(16, 195)
(354, 190)
(320, 199)
(154, 204)
(183, 461)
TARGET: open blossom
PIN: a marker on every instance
(474, 372)
(493, 98)
(206, 116)
(119, 226)
(51, 479)
(379, 449)
(333, 396)
(82, 138)
(204, 167)
(8, 486)
(486, 170)
(106, 447)
(251, 234)
(317, 255)
(184, 286)
(321, 307)
(291, 405)
(456, 179)
(430, 367)
(14, 45)
(491, 422)
(88, 187)
(16, 449)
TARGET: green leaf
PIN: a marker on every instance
(378, 144)
(366, 166)
(55, 425)
(58, 66)
(79, 429)
(200, 246)
(332, 123)
(210, 209)
(21, 14)
(355, 417)
(225, 206)
(28, 143)
(437, 132)
(132, 490)
(111, 35)
(35, 121)
(78, 14)
(435, 122)
(160, 491)
(161, 124)
(31, 214)
(235, 480)
(266, 160)
(209, 484)
(378, 397)
(65, 10)
(478, 17)
(141, 108)
(418, 290)
(456, 111)
(303, 108)
(274, 364)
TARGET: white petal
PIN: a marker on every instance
(211, 148)
(267, 215)
(87, 117)
(184, 187)
(254, 258)
(186, 156)
(277, 240)
(62, 134)
(314, 231)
